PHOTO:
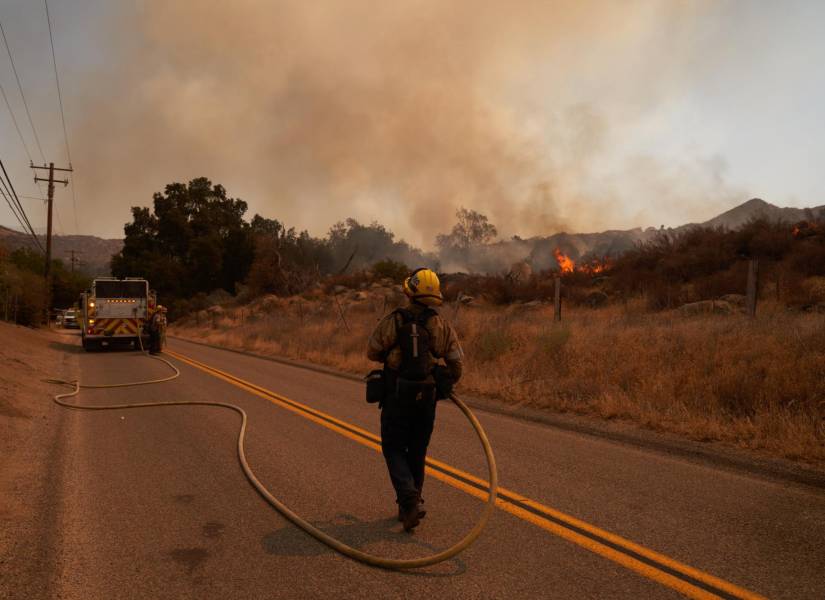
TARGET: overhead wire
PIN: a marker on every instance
(12, 207)
(27, 226)
(25, 148)
(16, 124)
(22, 94)
(22, 142)
(17, 208)
(14, 197)
(20, 216)
(62, 112)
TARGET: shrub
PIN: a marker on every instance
(492, 344)
(550, 342)
(391, 269)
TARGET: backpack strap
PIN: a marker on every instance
(404, 316)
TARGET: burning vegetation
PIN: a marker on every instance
(593, 266)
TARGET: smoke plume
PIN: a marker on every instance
(399, 112)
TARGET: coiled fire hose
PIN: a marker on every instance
(337, 545)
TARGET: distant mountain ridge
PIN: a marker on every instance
(95, 253)
(756, 207)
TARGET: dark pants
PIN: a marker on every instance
(154, 341)
(406, 428)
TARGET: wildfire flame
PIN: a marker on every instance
(566, 264)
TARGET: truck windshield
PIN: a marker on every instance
(120, 289)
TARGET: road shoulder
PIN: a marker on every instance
(30, 434)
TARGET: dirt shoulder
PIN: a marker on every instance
(30, 428)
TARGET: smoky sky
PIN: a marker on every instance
(534, 113)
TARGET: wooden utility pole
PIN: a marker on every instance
(51, 181)
(753, 286)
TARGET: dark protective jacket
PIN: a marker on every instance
(444, 343)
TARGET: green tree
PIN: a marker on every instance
(286, 262)
(471, 228)
(194, 240)
(368, 244)
(23, 289)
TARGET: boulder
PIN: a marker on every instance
(706, 307)
(360, 296)
(218, 296)
(596, 299)
(269, 303)
(339, 289)
(737, 300)
(519, 272)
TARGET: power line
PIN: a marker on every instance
(22, 95)
(20, 213)
(62, 113)
(27, 227)
(14, 202)
(12, 207)
(16, 125)
(19, 134)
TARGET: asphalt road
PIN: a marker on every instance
(151, 503)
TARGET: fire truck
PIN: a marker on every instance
(114, 311)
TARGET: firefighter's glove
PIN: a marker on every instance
(443, 382)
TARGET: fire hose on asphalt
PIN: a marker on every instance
(335, 544)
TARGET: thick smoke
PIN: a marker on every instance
(398, 112)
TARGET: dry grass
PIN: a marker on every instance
(758, 384)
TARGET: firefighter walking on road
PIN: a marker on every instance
(410, 341)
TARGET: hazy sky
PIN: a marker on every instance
(546, 116)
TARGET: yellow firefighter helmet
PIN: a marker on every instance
(423, 286)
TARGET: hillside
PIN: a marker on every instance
(93, 252)
(756, 208)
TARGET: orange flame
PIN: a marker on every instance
(592, 267)
(566, 264)
(595, 266)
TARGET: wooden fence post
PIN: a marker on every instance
(557, 299)
(753, 286)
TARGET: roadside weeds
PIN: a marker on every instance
(756, 385)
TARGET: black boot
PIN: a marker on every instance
(410, 518)
(422, 512)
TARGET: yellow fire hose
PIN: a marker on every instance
(337, 545)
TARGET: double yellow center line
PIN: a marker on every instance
(691, 582)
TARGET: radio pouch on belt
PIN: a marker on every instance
(376, 388)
